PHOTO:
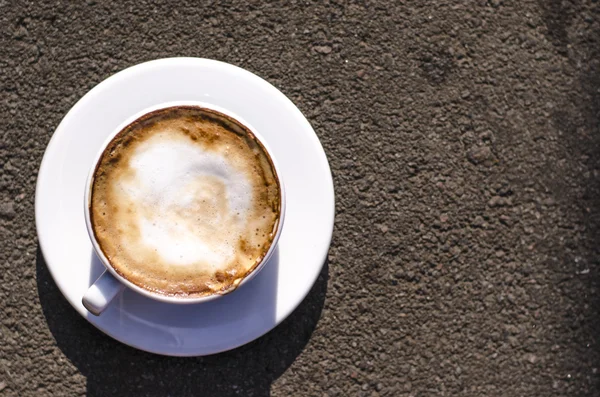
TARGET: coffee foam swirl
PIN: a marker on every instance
(180, 196)
(184, 204)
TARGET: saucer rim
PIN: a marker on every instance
(61, 130)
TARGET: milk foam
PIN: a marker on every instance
(174, 182)
(185, 202)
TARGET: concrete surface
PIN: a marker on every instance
(464, 143)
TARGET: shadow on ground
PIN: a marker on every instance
(114, 369)
(578, 121)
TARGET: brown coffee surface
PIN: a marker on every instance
(185, 202)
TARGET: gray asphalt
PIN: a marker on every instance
(463, 139)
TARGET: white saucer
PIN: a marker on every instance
(237, 318)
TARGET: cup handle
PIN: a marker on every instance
(97, 298)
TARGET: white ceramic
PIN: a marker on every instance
(110, 283)
(236, 318)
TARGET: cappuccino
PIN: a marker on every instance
(185, 201)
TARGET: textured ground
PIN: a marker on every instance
(463, 138)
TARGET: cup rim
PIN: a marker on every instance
(87, 202)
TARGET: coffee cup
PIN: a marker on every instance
(184, 203)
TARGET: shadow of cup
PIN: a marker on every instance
(115, 369)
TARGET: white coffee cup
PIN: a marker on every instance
(110, 283)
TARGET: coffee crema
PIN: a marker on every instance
(185, 202)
